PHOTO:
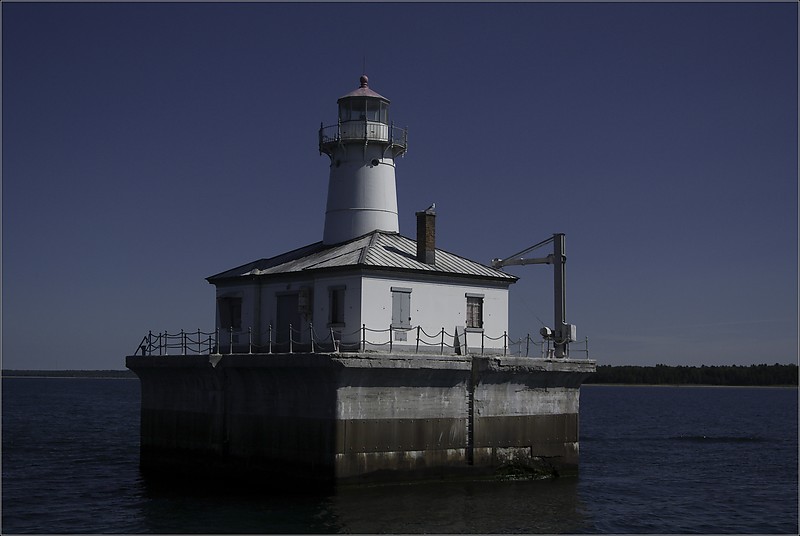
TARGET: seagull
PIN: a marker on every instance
(431, 208)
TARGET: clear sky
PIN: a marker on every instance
(148, 146)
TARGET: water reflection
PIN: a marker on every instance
(547, 506)
(460, 507)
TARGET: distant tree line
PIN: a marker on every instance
(756, 375)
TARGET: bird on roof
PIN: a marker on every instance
(431, 209)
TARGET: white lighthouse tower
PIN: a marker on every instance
(362, 146)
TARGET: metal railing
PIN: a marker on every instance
(362, 131)
(187, 342)
(307, 340)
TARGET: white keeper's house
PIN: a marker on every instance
(364, 286)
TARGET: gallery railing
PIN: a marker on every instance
(331, 135)
(370, 340)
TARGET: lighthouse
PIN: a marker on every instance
(364, 356)
(362, 146)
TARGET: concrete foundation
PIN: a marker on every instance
(343, 418)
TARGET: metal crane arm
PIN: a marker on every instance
(499, 263)
(511, 259)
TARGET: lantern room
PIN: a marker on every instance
(363, 118)
(363, 104)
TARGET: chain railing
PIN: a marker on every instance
(308, 340)
(187, 342)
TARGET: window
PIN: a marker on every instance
(373, 110)
(336, 305)
(344, 112)
(401, 307)
(230, 313)
(384, 113)
(475, 311)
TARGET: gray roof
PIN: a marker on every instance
(378, 250)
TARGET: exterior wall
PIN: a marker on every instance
(437, 304)
(348, 332)
(260, 311)
(250, 314)
(362, 196)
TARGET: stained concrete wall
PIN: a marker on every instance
(357, 417)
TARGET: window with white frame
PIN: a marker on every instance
(475, 311)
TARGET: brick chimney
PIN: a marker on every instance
(426, 236)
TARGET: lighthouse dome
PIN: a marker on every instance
(363, 91)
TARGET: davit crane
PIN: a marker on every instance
(562, 333)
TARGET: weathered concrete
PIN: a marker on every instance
(341, 418)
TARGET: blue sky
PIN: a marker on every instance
(148, 146)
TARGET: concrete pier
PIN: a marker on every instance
(348, 418)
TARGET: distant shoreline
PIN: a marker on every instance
(776, 375)
(134, 377)
(81, 374)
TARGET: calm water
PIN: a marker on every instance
(653, 460)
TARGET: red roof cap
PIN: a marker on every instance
(363, 90)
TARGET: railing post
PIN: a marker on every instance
(483, 335)
(363, 337)
(333, 342)
(441, 352)
(290, 338)
(417, 350)
(250, 339)
(183, 343)
(505, 342)
(311, 335)
(216, 342)
(586, 340)
(527, 344)
(161, 347)
(150, 342)
(391, 338)
(199, 348)
(269, 338)
(230, 340)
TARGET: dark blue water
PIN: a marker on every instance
(653, 460)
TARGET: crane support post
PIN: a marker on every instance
(559, 294)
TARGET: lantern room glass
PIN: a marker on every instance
(364, 109)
